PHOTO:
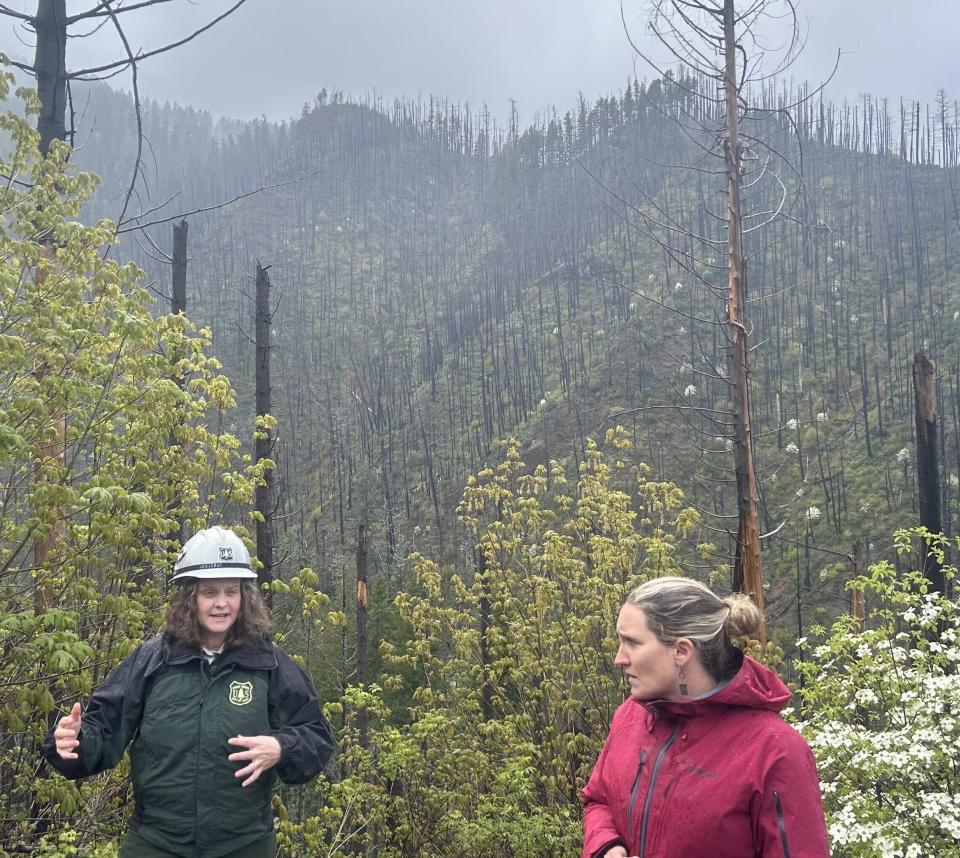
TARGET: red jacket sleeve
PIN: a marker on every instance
(599, 829)
(788, 811)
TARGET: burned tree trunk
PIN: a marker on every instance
(746, 573)
(178, 305)
(264, 434)
(856, 598)
(928, 474)
(486, 690)
(362, 718)
(50, 66)
(178, 301)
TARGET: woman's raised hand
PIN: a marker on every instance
(65, 736)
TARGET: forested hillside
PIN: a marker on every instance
(444, 283)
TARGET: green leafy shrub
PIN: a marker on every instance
(106, 447)
(510, 671)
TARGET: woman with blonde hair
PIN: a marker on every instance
(698, 762)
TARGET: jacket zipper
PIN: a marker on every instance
(653, 780)
(204, 684)
(783, 825)
(635, 789)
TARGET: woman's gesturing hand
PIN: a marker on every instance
(66, 733)
(262, 753)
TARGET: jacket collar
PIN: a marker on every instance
(754, 686)
(258, 656)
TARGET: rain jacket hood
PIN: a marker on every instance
(754, 686)
(720, 775)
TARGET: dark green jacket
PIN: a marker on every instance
(178, 711)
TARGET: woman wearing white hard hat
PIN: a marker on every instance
(213, 711)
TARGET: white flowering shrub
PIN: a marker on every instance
(881, 710)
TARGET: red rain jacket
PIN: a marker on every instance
(720, 777)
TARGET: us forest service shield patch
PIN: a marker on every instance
(241, 693)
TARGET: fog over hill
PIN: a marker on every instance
(447, 281)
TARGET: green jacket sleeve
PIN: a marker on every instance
(297, 723)
(111, 718)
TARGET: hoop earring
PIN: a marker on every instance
(684, 690)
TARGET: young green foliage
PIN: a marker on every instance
(131, 398)
(511, 670)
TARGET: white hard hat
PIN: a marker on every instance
(213, 553)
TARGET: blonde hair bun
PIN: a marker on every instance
(744, 617)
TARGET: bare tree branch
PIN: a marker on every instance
(123, 229)
(12, 13)
(100, 11)
(136, 107)
(140, 57)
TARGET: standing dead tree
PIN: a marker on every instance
(363, 667)
(264, 434)
(178, 296)
(928, 466)
(51, 27)
(744, 181)
(746, 572)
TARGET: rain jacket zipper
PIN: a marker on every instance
(783, 825)
(653, 780)
(635, 789)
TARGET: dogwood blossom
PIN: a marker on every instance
(879, 708)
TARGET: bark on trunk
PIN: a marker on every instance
(178, 303)
(264, 441)
(50, 67)
(856, 603)
(746, 574)
(362, 630)
(928, 472)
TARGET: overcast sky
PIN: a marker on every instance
(273, 55)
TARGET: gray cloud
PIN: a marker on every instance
(274, 55)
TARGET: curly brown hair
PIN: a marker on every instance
(253, 620)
